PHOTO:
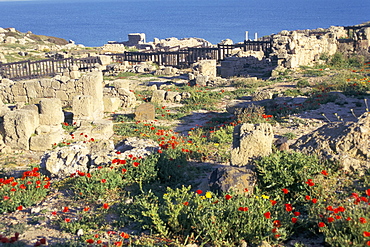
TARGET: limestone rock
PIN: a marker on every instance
(237, 179)
(158, 96)
(62, 162)
(145, 111)
(45, 141)
(111, 104)
(348, 144)
(51, 112)
(19, 125)
(251, 141)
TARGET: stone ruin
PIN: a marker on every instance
(34, 122)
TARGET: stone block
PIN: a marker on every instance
(170, 96)
(92, 84)
(33, 89)
(207, 67)
(42, 129)
(48, 93)
(251, 141)
(55, 84)
(19, 125)
(201, 80)
(102, 129)
(18, 89)
(145, 111)
(61, 95)
(82, 107)
(111, 104)
(121, 83)
(45, 141)
(158, 96)
(45, 82)
(51, 112)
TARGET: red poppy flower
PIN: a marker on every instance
(6, 198)
(310, 182)
(54, 213)
(362, 220)
(330, 219)
(294, 220)
(136, 164)
(314, 200)
(366, 234)
(228, 197)
(368, 192)
(297, 214)
(20, 208)
(348, 219)
(307, 198)
(277, 223)
(67, 220)
(338, 217)
(267, 215)
(124, 170)
(81, 173)
(324, 172)
(90, 241)
(243, 209)
(288, 207)
(103, 181)
(186, 203)
(199, 192)
(86, 209)
(286, 191)
(65, 209)
(368, 243)
(12, 189)
(124, 235)
(105, 206)
(118, 243)
(321, 224)
(273, 202)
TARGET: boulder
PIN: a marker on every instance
(145, 111)
(251, 141)
(237, 179)
(346, 143)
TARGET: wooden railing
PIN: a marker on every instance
(49, 67)
(185, 57)
(182, 58)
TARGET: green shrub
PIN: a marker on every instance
(287, 170)
(220, 220)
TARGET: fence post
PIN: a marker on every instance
(29, 68)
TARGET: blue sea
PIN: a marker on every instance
(95, 22)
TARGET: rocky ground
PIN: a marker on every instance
(35, 223)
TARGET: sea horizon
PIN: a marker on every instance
(95, 22)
